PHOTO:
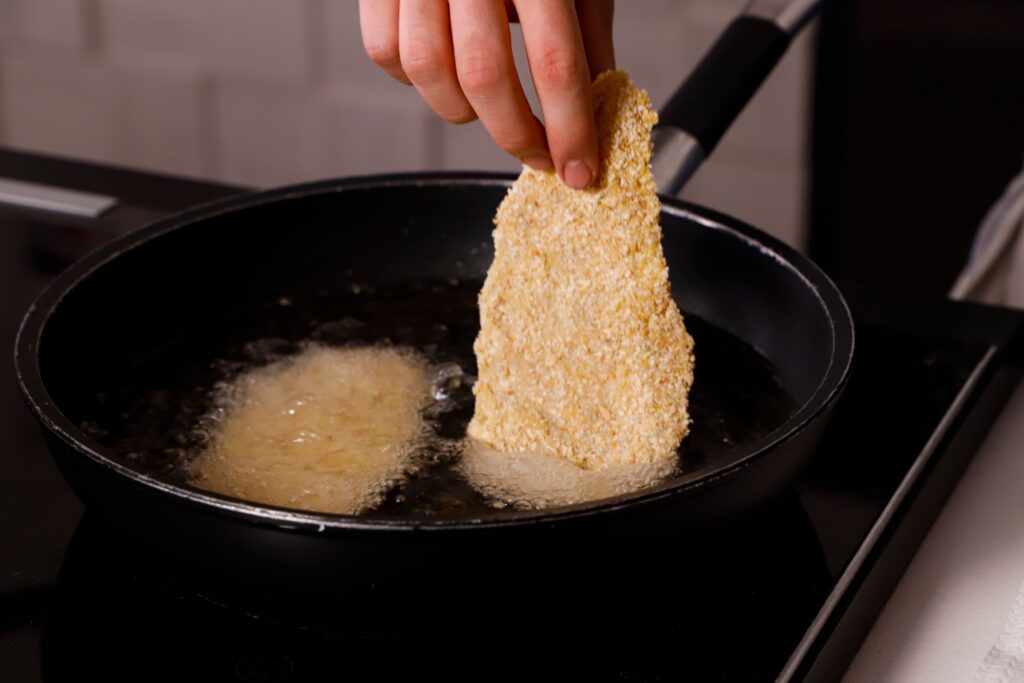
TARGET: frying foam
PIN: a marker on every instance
(328, 430)
(537, 481)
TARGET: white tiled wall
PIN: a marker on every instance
(57, 26)
(152, 31)
(267, 92)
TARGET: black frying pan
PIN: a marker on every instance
(155, 315)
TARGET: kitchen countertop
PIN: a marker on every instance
(951, 603)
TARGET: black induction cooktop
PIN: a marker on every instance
(786, 593)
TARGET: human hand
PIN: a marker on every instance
(458, 55)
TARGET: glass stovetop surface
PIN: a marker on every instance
(79, 602)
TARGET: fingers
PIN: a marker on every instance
(558, 62)
(425, 49)
(378, 21)
(459, 56)
(487, 75)
(595, 17)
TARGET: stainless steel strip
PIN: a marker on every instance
(789, 15)
(54, 199)
(677, 155)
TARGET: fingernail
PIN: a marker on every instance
(577, 175)
(540, 163)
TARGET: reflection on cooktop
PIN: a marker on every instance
(596, 611)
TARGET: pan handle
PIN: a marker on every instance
(706, 104)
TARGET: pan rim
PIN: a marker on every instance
(33, 324)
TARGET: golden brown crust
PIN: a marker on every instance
(582, 352)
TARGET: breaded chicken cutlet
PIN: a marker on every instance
(582, 352)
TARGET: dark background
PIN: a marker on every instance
(918, 128)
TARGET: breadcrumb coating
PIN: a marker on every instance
(582, 352)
